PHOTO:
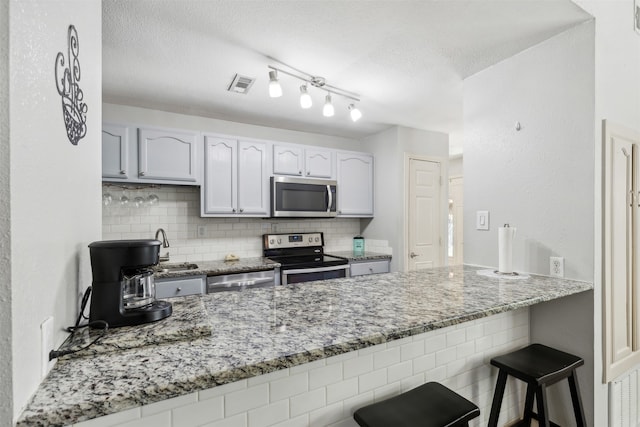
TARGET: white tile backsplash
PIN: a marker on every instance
(178, 213)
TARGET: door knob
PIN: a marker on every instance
(413, 255)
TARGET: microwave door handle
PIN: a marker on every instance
(330, 198)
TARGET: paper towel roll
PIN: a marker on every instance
(505, 248)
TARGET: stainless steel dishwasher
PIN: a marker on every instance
(245, 280)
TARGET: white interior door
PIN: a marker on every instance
(456, 211)
(424, 215)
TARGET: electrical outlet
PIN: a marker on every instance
(556, 266)
(46, 344)
(202, 231)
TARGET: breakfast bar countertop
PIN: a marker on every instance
(263, 330)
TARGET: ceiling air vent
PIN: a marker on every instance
(241, 84)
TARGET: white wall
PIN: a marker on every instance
(389, 148)
(127, 114)
(455, 166)
(540, 180)
(617, 52)
(54, 185)
(6, 407)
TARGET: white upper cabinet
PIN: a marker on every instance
(149, 155)
(318, 163)
(220, 176)
(355, 184)
(296, 160)
(253, 179)
(236, 178)
(288, 160)
(115, 151)
(167, 155)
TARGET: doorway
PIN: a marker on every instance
(424, 235)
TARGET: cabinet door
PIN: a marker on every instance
(318, 163)
(287, 160)
(115, 157)
(621, 251)
(220, 182)
(253, 195)
(167, 155)
(355, 184)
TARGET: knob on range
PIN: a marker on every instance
(272, 241)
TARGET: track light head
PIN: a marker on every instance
(275, 90)
(355, 113)
(328, 110)
(305, 98)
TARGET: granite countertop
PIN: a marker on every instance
(366, 256)
(263, 330)
(216, 268)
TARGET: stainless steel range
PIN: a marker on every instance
(302, 257)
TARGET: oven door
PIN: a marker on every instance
(315, 273)
(301, 197)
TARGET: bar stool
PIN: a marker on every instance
(539, 366)
(429, 405)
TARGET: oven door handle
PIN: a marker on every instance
(330, 199)
(315, 269)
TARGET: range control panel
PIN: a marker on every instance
(297, 240)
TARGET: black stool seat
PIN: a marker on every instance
(430, 405)
(539, 366)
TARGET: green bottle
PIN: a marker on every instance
(358, 246)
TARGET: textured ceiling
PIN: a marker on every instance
(407, 59)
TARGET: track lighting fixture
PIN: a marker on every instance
(305, 98)
(275, 90)
(355, 113)
(328, 109)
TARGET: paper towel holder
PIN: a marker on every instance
(498, 272)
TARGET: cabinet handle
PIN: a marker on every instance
(413, 255)
(123, 172)
(241, 210)
(299, 172)
(308, 173)
(178, 289)
(233, 210)
(143, 173)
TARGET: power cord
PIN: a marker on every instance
(54, 354)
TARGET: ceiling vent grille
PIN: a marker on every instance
(241, 84)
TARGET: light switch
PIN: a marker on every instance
(482, 220)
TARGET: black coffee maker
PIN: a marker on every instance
(123, 290)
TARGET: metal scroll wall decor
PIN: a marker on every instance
(74, 110)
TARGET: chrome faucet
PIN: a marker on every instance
(165, 244)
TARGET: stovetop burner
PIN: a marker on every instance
(299, 250)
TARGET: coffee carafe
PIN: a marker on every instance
(123, 289)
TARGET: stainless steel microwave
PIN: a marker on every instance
(303, 197)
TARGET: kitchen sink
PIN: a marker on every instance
(166, 268)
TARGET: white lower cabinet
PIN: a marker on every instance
(355, 184)
(180, 287)
(236, 178)
(362, 268)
